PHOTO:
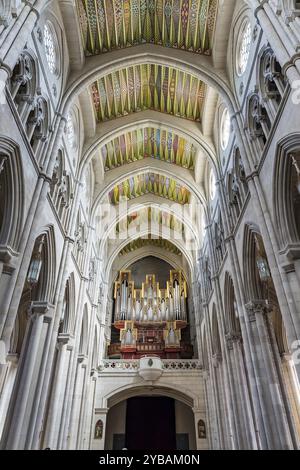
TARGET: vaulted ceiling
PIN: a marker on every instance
(152, 218)
(150, 183)
(113, 24)
(164, 145)
(152, 242)
(165, 149)
(148, 86)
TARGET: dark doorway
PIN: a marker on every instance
(150, 423)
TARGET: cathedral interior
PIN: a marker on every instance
(150, 224)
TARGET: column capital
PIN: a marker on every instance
(93, 374)
(82, 359)
(39, 308)
(12, 358)
(216, 360)
(286, 357)
(258, 307)
(232, 338)
(65, 338)
(205, 374)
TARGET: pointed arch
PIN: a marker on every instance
(286, 194)
(67, 321)
(251, 274)
(232, 322)
(215, 333)
(12, 196)
(83, 342)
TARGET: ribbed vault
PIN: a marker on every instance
(148, 142)
(144, 92)
(149, 183)
(112, 24)
(149, 241)
(148, 86)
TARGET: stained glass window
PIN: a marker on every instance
(50, 49)
(244, 46)
(70, 131)
(212, 185)
(225, 129)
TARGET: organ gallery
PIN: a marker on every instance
(152, 319)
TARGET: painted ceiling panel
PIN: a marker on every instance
(145, 242)
(107, 25)
(146, 86)
(150, 183)
(148, 143)
(148, 219)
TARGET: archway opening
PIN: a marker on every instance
(155, 423)
(150, 423)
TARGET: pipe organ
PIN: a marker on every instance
(150, 320)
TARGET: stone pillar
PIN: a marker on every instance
(77, 402)
(224, 420)
(247, 430)
(237, 398)
(63, 429)
(7, 387)
(278, 433)
(16, 428)
(98, 442)
(58, 396)
(212, 393)
(88, 426)
(293, 389)
(211, 413)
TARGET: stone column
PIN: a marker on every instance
(293, 389)
(218, 437)
(61, 438)
(243, 396)
(88, 427)
(7, 387)
(224, 419)
(16, 428)
(77, 403)
(58, 395)
(237, 399)
(278, 433)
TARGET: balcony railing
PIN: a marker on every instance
(124, 365)
(114, 349)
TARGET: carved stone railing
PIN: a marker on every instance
(124, 365)
(182, 364)
(120, 365)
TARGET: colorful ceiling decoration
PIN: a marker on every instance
(151, 218)
(148, 143)
(146, 242)
(150, 183)
(107, 25)
(147, 86)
